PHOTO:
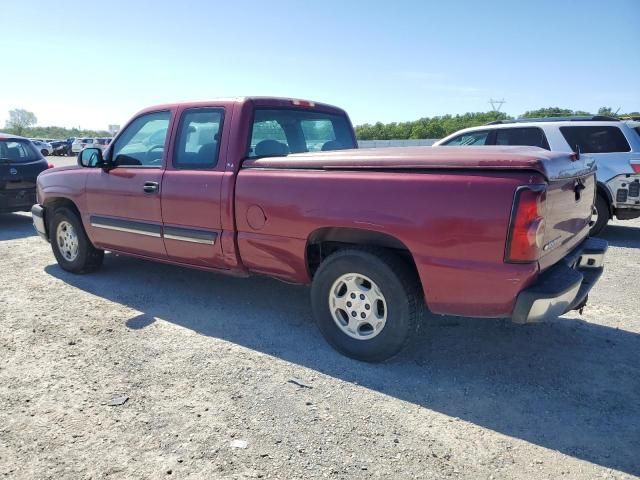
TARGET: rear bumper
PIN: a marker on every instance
(627, 213)
(564, 286)
(37, 212)
(18, 200)
(625, 190)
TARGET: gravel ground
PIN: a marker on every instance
(229, 378)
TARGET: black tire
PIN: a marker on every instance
(602, 207)
(44, 152)
(88, 258)
(401, 291)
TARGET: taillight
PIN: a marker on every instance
(50, 165)
(635, 164)
(526, 228)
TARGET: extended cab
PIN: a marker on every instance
(277, 187)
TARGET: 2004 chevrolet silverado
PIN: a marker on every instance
(277, 187)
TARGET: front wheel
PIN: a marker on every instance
(367, 303)
(600, 216)
(72, 248)
(44, 152)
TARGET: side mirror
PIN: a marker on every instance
(91, 158)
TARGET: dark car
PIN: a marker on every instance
(60, 147)
(20, 164)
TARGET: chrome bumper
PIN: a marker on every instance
(563, 287)
(37, 212)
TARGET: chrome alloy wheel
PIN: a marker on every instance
(67, 239)
(358, 306)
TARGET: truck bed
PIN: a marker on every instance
(553, 165)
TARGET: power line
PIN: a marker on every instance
(496, 105)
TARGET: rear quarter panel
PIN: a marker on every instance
(454, 225)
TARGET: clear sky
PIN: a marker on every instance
(88, 64)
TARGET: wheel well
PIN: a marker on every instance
(325, 241)
(604, 192)
(53, 204)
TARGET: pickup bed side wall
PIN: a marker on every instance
(453, 224)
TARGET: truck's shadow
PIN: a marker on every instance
(568, 385)
(621, 236)
(14, 226)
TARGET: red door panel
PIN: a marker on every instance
(121, 215)
(191, 214)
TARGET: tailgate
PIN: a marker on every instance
(14, 176)
(568, 210)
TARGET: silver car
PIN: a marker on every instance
(80, 143)
(43, 147)
(613, 144)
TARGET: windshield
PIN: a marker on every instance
(278, 132)
(17, 151)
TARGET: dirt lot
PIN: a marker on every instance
(229, 378)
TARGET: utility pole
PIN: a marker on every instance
(496, 105)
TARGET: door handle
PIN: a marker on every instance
(151, 187)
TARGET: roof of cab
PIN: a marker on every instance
(256, 100)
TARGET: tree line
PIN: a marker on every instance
(22, 122)
(441, 126)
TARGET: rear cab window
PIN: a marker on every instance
(281, 131)
(596, 139)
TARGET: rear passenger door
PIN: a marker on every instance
(523, 136)
(191, 189)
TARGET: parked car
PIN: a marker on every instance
(20, 164)
(614, 145)
(43, 147)
(59, 147)
(102, 143)
(499, 232)
(80, 143)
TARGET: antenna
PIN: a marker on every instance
(496, 105)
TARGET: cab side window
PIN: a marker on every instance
(470, 138)
(143, 141)
(198, 142)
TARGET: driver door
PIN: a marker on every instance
(123, 204)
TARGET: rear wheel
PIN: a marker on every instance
(600, 216)
(71, 246)
(367, 303)
(44, 152)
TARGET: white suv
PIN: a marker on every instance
(80, 143)
(613, 144)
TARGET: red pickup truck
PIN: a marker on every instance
(278, 187)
